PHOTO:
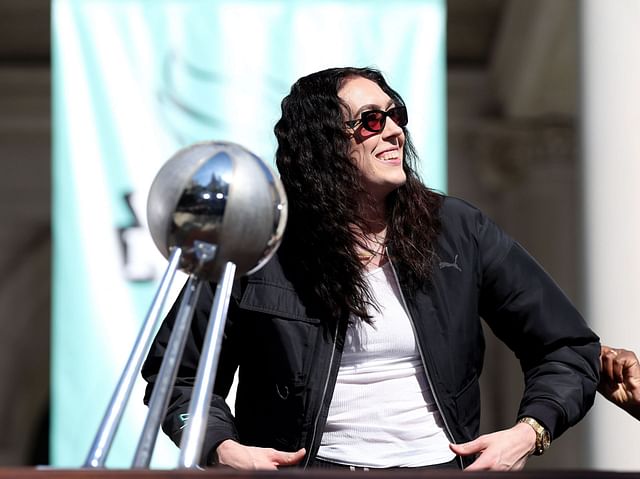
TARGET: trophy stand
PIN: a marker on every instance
(215, 211)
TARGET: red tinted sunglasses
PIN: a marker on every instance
(374, 120)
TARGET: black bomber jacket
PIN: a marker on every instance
(288, 359)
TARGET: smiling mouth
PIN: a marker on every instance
(389, 155)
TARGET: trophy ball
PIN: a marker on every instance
(218, 202)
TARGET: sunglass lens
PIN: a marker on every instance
(373, 121)
(399, 116)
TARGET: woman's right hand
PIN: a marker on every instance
(233, 454)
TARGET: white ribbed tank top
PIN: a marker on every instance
(382, 412)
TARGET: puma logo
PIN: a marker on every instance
(444, 264)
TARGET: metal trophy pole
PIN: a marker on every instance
(215, 210)
(111, 420)
(193, 436)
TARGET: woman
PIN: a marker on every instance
(359, 344)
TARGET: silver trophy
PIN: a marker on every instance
(215, 210)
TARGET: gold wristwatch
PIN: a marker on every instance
(543, 438)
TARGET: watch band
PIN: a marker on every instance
(543, 438)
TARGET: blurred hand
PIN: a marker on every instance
(233, 454)
(620, 379)
(505, 450)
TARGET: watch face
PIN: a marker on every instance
(543, 438)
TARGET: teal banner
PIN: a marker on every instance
(136, 80)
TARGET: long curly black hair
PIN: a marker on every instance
(323, 187)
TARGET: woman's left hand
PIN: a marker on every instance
(505, 450)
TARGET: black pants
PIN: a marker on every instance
(319, 463)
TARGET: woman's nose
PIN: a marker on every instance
(391, 128)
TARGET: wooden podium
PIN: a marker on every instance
(293, 473)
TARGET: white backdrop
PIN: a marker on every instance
(133, 82)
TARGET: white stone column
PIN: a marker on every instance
(610, 132)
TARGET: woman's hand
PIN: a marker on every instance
(505, 450)
(620, 379)
(233, 454)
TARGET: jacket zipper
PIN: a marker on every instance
(424, 363)
(324, 394)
